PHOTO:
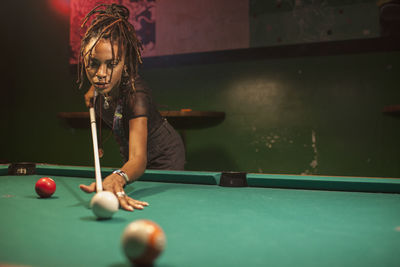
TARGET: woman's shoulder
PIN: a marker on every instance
(139, 89)
(138, 97)
(141, 85)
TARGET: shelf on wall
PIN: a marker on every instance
(180, 119)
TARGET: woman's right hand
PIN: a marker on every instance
(115, 184)
(89, 96)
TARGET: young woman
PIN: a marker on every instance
(109, 58)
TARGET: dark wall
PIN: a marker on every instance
(317, 115)
(39, 84)
(320, 115)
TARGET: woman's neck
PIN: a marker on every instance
(112, 95)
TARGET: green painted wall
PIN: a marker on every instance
(303, 21)
(319, 115)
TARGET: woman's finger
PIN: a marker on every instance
(136, 204)
(124, 203)
(88, 188)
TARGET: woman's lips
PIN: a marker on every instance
(101, 85)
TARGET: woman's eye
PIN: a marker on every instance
(93, 64)
(113, 64)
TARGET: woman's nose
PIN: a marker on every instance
(102, 72)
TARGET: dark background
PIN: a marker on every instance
(300, 109)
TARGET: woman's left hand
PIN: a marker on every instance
(115, 184)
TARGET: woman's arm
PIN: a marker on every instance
(134, 167)
(89, 95)
(137, 162)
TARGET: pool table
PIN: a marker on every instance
(276, 220)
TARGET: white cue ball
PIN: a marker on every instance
(104, 204)
(143, 241)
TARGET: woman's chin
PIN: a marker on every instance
(101, 91)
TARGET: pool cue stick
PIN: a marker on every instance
(99, 185)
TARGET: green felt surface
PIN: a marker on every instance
(205, 225)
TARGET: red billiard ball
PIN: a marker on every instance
(45, 187)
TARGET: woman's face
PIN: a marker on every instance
(100, 64)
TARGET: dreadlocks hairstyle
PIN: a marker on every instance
(111, 23)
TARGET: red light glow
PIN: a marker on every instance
(60, 6)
